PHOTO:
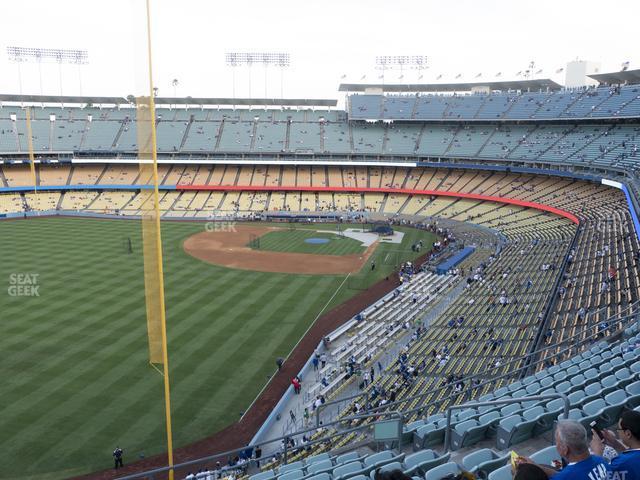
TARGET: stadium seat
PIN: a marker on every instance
(421, 462)
(320, 467)
(347, 458)
(609, 384)
(428, 435)
(348, 470)
(442, 471)
(266, 475)
(543, 419)
(490, 419)
(576, 398)
(291, 475)
(546, 455)
(512, 430)
(409, 429)
(502, 473)
(484, 461)
(616, 402)
(385, 468)
(290, 467)
(317, 458)
(323, 476)
(467, 433)
(624, 376)
(380, 459)
(633, 392)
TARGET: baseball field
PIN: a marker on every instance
(75, 375)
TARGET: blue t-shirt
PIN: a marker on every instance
(626, 466)
(592, 468)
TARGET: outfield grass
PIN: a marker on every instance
(76, 381)
(294, 241)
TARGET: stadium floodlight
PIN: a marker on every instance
(237, 59)
(384, 62)
(60, 55)
(39, 55)
(418, 61)
(281, 60)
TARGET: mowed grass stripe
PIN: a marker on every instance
(80, 353)
(250, 349)
(294, 241)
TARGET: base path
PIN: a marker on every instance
(229, 249)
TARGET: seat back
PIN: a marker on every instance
(546, 456)
(322, 465)
(594, 406)
(266, 475)
(290, 467)
(473, 459)
(442, 471)
(317, 458)
(502, 473)
(533, 413)
(378, 457)
(509, 409)
(346, 469)
(346, 458)
(419, 457)
(291, 475)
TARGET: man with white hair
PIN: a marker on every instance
(572, 445)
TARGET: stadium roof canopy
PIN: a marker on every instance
(532, 85)
(254, 102)
(629, 77)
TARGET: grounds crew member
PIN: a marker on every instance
(117, 457)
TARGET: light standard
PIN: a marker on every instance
(58, 55)
(418, 62)
(237, 59)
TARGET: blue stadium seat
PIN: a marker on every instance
(502, 473)
(266, 475)
(633, 392)
(512, 430)
(442, 471)
(484, 461)
(421, 462)
(468, 433)
(546, 456)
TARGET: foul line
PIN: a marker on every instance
(297, 343)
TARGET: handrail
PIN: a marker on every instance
(447, 432)
(375, 412)
(511, 373)
(390, 415)
(552, 303)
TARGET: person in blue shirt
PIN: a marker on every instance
(626, 466)
(572, 445)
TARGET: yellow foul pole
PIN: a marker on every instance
(158, 250)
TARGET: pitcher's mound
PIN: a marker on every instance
(229, 249)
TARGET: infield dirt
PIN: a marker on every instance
(229, 249)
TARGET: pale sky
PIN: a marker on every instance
(326, 40)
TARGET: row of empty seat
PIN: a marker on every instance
(602, 102)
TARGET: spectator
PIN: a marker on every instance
(258, 454)
(571, 443)
(391, 475)
(529, 471)
(117, 458)
(627, 463)
(297, 385)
